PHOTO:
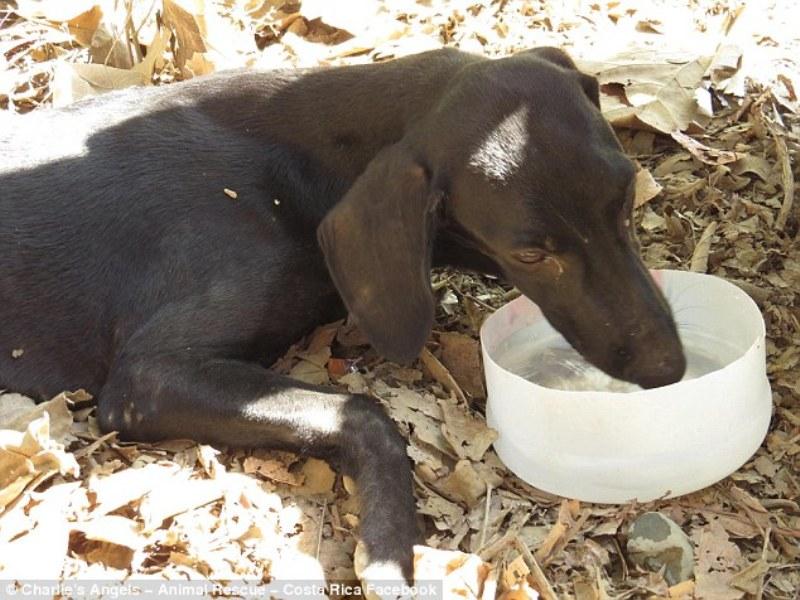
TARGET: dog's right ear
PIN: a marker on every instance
(378, 243)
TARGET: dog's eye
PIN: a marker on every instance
(530, 255)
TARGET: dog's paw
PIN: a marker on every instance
(380, 580)
(385, 581)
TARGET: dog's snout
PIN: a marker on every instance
(657, 368)
(623, 354)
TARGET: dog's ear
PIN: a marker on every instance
(591, 87)
(378, 243)
(554, 55)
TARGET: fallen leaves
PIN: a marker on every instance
(440, 373)
(38, 546)
(468, 435)
(73, 81)
(647, 187)
(703, 153)
(699, 262)
(462, 575)
(644, 89)
(34, 454)
(175, 496)
(716, 191)
(461, 355)
(717, 560)
(274, 468)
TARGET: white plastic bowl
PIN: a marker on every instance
(643, 445)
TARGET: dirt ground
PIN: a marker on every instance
(703, 95)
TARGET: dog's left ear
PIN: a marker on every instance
(378, 243)
(555, 55)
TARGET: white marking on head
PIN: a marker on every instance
(502, 151)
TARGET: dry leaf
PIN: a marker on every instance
(82, 27)
(272, 467)
(420, 414)
(30, 457)
(724, 68)
(463, 484)
(469, 436)
(13, 407)
(461, 354)
(113, 529)
(703, 153)
(567, 511)
(110, 555)
(60, 417)
(39, 553)
(318, 478)
(715, 585)
(440, 373)
(446, 514)
(751, 578)
(644, 89)
(177, 495)
(647, 188)
(155, 51)
(717, 560)
(111, 492)
(109, 44)
(682, 591)
(699, 262)
(310, 372)
(73, 81)
(186, 29)
(516, 572)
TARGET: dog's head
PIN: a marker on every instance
(515, 164)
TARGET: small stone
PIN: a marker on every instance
(230, 193)
(17, 353)
(654, 541)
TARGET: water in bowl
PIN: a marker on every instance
(553, 364)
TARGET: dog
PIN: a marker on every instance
(158, 246)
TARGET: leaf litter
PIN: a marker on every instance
(704, 98)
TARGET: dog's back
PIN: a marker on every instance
(115, 207)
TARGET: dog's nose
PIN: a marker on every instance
(657, 371)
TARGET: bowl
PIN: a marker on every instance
(588, 443)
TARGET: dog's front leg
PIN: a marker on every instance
(237, 403)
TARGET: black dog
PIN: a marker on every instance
(127, 269)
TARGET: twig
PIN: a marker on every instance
(487, 505)
(545, 589)
(133, 42)
(87, 450)
(494, 548)
(480, 303)
(764, 548)
(321, 527)
(488, 553)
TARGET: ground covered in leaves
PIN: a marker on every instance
(703, 95)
